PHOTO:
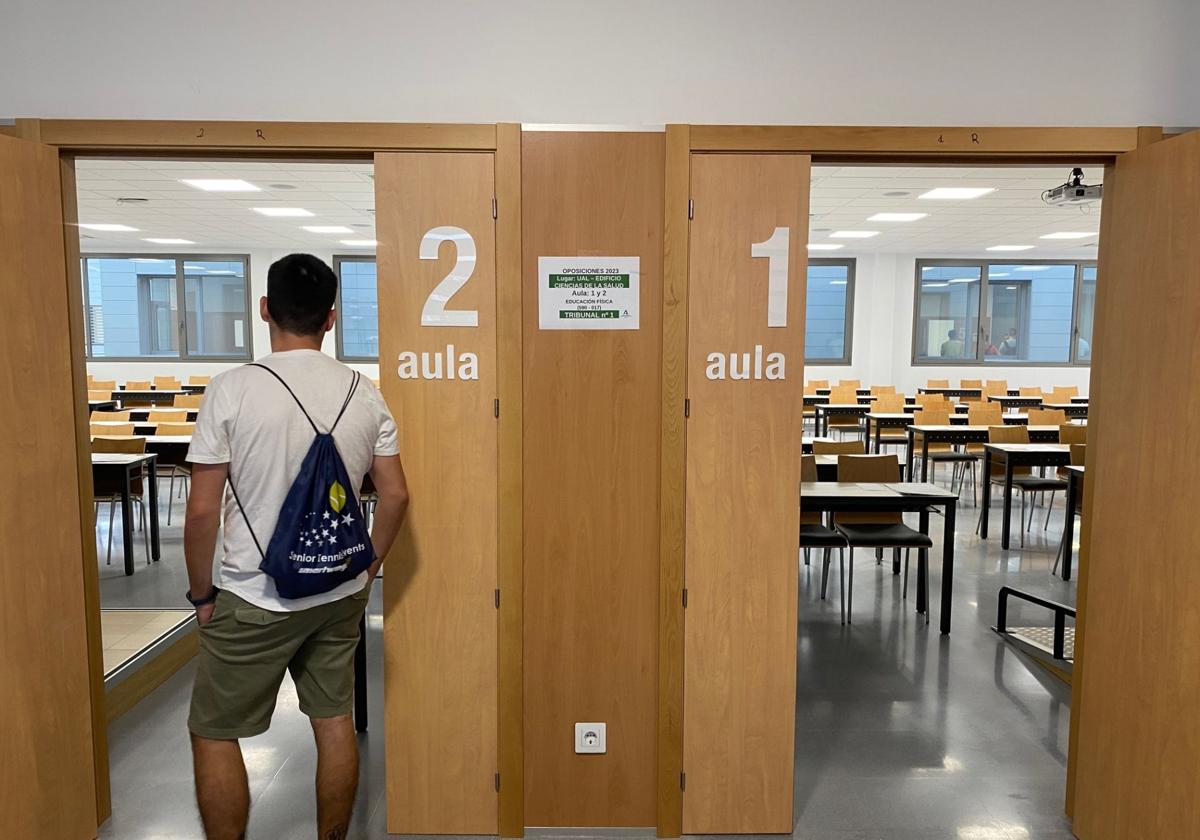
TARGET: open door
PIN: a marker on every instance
(48, 766)
(1135, 735)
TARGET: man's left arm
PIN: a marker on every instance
(200, 527)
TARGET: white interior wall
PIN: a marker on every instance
(918, 62)
(882, 340)
(260, 261)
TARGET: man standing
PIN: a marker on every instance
(251, 432)
(952, 347)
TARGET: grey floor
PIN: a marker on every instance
(901, 733)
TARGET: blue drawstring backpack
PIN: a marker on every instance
(320, 540)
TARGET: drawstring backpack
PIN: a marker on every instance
(320, 540)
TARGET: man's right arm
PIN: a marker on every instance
(387, 473)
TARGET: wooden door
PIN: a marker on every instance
(1135, 747)
(437, 365)
(746, 289)
(47, 766)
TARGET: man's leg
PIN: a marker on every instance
(337, 774)
(221, 788)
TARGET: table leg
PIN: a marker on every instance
(1069, 524)
(152, 471)
(127, 517)
(924, 458)
(1006, 526)
(360, 676)
(985, 493)
(947, 566)
(923, 567)
(909, 453)
(877, 435)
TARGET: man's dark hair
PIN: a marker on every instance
(301, 290)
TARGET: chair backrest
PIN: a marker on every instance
(167, 415)
(123, 445)
(808, 472)
(1029, 392)
(1007, 434)
(970, 383)
(1063, 393)
(842, 394)
(883, 389)
(870, 468)
(199, 380)
(113, 416)
(889, 404)
(822, 446)
(1078, 452)
(931, 399)
(106, 385)
(187, 401)
(817, 383)
(184, 429)
(166, 383)
(937, 383)
(116, 430)
(850, 383)
(1072, 433)
(137, 385)
(97, 394)
(1047, 417)
(985, 414)
(932, 415)
(996, 388)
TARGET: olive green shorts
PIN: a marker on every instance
(244, 651)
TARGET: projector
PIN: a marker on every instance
(1073, 194)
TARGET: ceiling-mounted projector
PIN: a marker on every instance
(1074, 191)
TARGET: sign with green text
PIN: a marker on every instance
(588, 293)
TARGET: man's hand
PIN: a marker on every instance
(204, 613)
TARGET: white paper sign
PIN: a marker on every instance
(589, 293)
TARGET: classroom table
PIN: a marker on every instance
(193, 389)
(1015, 455)
(1082, 399)
(823, 411)
(1010, 402)
(102, 405)
(143, 414)
(151, 396)
(815, 399)
(899, 497)
(827, 465)
(126, 465)
(1073, 410)
(891, 420)
(962, 434)
(959, 393)
(1074, 488)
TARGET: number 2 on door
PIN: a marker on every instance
(434, 313)
(775, 250)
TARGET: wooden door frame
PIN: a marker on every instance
(306, 140)
(930, 145)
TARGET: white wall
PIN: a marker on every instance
(260, 337)
(1048, 62)
(882, 343)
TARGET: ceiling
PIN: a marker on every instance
(343, 194)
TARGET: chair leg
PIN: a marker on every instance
(1049, 508)
(806, 563)
(904, 596)
(825, 559)
(1058, 554)
(850, 589)
(842, 581)
(170, 496)
(145, 530)
(112, 507)
(1022, 520)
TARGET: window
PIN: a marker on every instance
(132, 307)
(829, 312)
(993, 313)
(358, 309)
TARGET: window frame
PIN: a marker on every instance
(985, 266)
(851, 264)
(180, 296)
(338, 349)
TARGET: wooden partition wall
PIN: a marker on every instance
(438, 367)
(1135, 745)
(591, 486)
(48, 774)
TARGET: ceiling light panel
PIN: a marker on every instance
(220, 184)
(853, 234)
(169, 241)
(896, 217)
(328, 229)
(1068, 234)
(824, 246)
(108, 228)
(283, 212)
(956, 193)
(1010, 247)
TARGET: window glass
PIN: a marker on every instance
(215, 307)
(947, 322)
(828, 312)
(358, 318)
(132, 307)
(1087, 314)
(1030, 313)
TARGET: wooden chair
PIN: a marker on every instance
(844, 395)
(199, 380)
(817, 383)
(138, 385)
(1029, 392)
(1064, 393)
(1024, 479)
(108, 489)
(995, 388)
(821, 446)
(872, 530)
(932, 400)
(98, 394)
(1047, 417)
(116, 430)
(1072, 433)
(970, 383)
(167, 415)
(850, 383)
(112, 416)
(173, 471)
(166, 383)
(980, 414)
(939, 453)
(105, 385)
(814, 533)
(891, 404)
(169, 429)
(187, 401)
(1078, 453)
(879, 390)
(937, 383)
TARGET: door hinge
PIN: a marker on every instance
(497, 599)
(691, 209)
(685, 597)
(683, 781)
(497, 781)
(496, 408)
(687, 407)
(495, 209)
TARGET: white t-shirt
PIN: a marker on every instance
(249, 421)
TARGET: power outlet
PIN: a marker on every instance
(591, 738)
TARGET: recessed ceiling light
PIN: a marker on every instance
(824, 246)
(170, 241)
(1068, 234)
(282, 211)
(950, 193)
(108, 228)
(220, 184)
(147, 260)
(997, 274)
(360, 243)
(837, 282)
(853, 234)
(935, 285)
(896, 217)
(1010, 247)
(964, 280)
(897, 193)
(328, 229)
(1011, 288)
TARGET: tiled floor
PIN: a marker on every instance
(902, 734)
(127, 632)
